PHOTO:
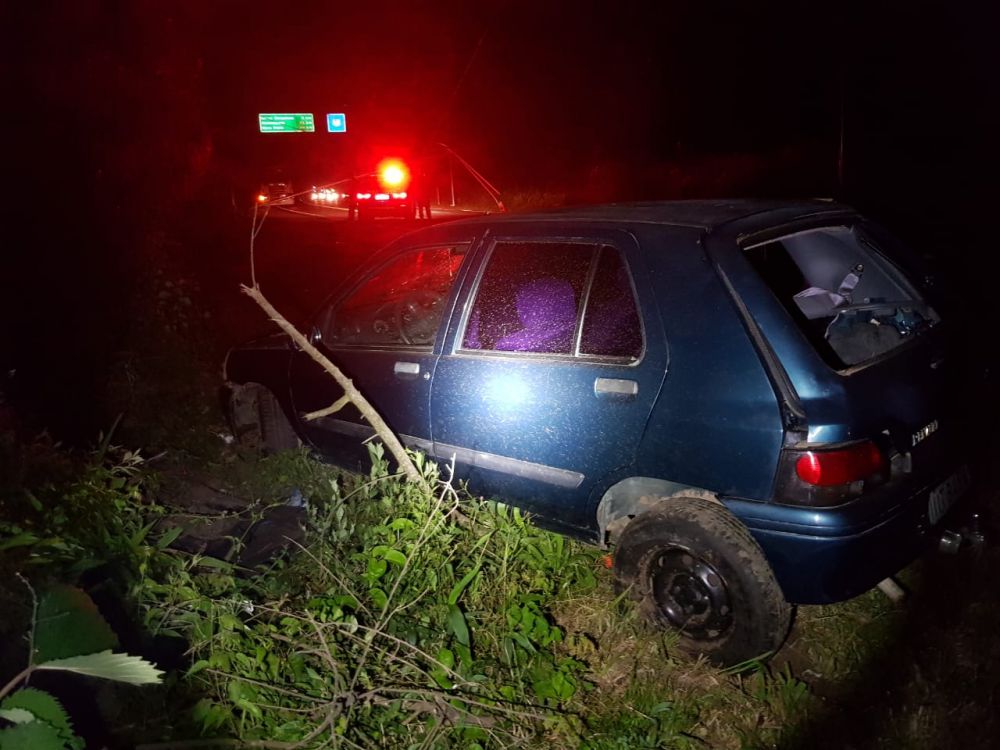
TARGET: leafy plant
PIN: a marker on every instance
(647, 721)
(96, 517)
(67, 634)
(407, 616)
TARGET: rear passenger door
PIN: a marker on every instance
(547, 378)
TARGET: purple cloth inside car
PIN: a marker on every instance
(546, 309)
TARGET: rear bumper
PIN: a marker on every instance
(821, 556)
(385, 208)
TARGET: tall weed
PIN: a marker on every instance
(405, 620)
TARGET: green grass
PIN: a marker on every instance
(523, 620)
(538, 624)
(830, 643)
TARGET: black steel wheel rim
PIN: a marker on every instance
(690, 593)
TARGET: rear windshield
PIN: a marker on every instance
(851, 302)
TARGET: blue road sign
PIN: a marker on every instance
(336, 123)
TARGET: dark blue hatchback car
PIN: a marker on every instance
(747, 399)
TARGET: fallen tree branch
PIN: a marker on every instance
(351, 393)
(333, 408)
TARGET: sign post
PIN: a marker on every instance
(286, 123)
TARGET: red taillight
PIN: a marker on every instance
(261, 198)
(841, 465)
(364, 196)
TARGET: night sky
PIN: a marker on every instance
(128, 119)
(533, 93)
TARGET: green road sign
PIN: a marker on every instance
(287, 123)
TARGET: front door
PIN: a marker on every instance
(381, 334)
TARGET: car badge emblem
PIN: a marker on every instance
(924, 432)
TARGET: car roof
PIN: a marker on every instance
(696, 214)
(703, 215)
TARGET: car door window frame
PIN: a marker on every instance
(597, 243)
(325, 319)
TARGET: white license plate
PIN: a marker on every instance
(945, 494)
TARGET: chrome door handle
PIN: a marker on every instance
(617, 389)
(406, 370)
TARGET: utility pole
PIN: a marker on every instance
(451, 176)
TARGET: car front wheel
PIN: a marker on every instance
(693, 567)
(258, 421)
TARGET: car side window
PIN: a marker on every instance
(401, 304)
(528, 298)
(611, 326)
(531, 296)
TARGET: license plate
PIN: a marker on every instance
(945, 494)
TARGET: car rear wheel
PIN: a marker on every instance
(694, 568)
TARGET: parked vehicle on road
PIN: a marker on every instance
(326, 196)
(385, 192)
(748, 401)
(276, 194)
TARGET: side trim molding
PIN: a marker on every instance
(513, 466)
(491, 461)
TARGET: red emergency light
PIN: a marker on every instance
(393, 174)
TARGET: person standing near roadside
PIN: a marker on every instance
(422, 194)
(352, 198)
(352, 188)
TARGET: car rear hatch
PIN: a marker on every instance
(866, 359)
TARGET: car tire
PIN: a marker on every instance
(257, 420)
(277, 433)
(694, 568)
